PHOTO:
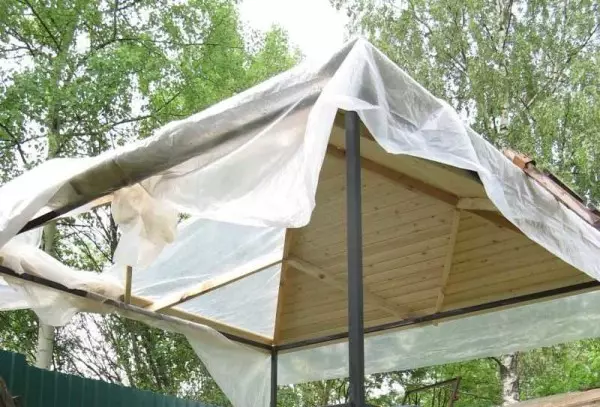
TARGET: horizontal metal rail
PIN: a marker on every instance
(123, 306)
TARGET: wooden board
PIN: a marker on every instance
(587, 398)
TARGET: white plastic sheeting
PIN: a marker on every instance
(243, 373)
(247, 168)
(516, 329)
(27, 195)
(251, 303)
(203, 250)
(21, 255)
(492, 334)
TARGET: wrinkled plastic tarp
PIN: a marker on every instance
(247, 169)
(493, 334)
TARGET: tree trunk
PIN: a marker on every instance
(509, 376)
(45, 344)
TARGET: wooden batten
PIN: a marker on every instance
(128, 278)
(321, 275)
(553, 185)
(205, 287)
(218, 325)
(477, 204)
(448, 260)
(287, 247)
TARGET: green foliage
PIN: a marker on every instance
(560, 369)
(524, 74)
(79, 77)
(18, 332)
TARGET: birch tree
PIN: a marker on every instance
(78, 77)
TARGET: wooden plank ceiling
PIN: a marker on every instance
(425, 249)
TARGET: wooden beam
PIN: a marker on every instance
(478, 204)
(497, 219)
(287, 247)
(553, 185)
(136, 306)
(419, 186)
(143, 302)
(205, 287)
(448, 260)
(128, 277)
(320, 274)
(96, 203)
(410, 183)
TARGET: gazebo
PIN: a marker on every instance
(339, 219)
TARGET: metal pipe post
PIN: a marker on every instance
(274, 377)
(356, 347)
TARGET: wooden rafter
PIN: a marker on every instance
(287, 247)
(320, 274)
(477, 204)
(410, 183)
(553, 185)
(413, 184)
(128, 278)
(448, 260)
(219, 281)
(197, 318)
(137, 302)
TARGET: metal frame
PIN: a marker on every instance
(356, 330)
(356, 346)
(122, 306)
(274, 377)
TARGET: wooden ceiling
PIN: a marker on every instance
(432, 242)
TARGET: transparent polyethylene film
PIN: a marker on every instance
(21, 255)
(242, 372)
(250, 303)
(27, 195)
(405, 118)
(205, 249)
(517, 329)
(248, 160)
(11, 298)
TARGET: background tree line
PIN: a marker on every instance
(79, 77)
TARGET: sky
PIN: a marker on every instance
(314, 26)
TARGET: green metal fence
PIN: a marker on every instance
(35, 387)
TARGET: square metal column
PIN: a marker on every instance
(356, 346)
(274, 377)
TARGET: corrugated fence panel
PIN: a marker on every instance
(35, 387)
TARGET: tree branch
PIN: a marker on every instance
(508, 23)
(495, 359)
(17, 144)
(115, 12)
(41, 21)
